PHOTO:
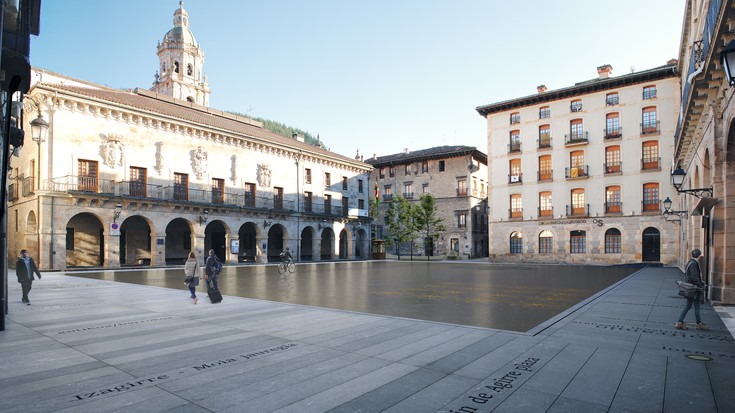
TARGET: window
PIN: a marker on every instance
(544, 204)
(516, 207)
(441, 166)
(249, 195)
(514, 169)
(612, 200)
(388, 193)
(649, 124)
(359, 185)
(345, 205)
(545, 242)
(649, 92)
(650, 197)
(189, 70)
(137, 184)
(576, 105)
(515, 141)
(612, 126)
(424, 167)
(87, 175)
(327, 204)
(462, 187)
(218, 191)
(612, 160)
(407, 169)
(181, 186)
(515, 118)
(408, 190)
(544, 168)
(578, 205)
(577, 167)
(307, 175)
(651, 159)
(544, 112)
(277, 198)
(611, 99)
(612, 241)
(344, 183)
(328, 179)
(544, 136)
(360, 204)
(516, 243)
(576, 131)
(391, 172)
(578, 242)
(425, 188)
(382, 173)
(308, 199)
(462, 220)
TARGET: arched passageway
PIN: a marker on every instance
(85, 241)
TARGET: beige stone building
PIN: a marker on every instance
(705, 145)
(457, 178)
(142, 178)
(578, 174)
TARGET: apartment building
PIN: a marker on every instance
(141, 177)
(578, 174)
(456, 176)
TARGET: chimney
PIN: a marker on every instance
(541, 88)
(672, 62)
(297, 136)
(604, 71)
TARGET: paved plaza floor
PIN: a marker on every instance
(98, 345)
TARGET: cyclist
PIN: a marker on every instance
(286, 256)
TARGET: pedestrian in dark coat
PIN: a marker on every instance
(693, 275)
(213, 268)
(25, 268)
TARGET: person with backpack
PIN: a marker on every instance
(693, 275)
(213, 268)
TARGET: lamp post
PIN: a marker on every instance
(727, 56)
(677, 180)
(668, 212)
(39, 130)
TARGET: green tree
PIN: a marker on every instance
(401, 223)
(427, 221)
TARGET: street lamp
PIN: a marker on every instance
(39, 130)
(668, 212)
(118, 211)
(727, 55)
(677, 180)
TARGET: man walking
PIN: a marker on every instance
(25, 268)
(693, 275)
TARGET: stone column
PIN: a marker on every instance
(158, 250)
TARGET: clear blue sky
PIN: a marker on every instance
(378, 75)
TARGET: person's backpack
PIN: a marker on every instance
(217, 267)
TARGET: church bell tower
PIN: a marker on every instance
(180, 63)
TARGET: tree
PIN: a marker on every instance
(401, 222)
(427, 221)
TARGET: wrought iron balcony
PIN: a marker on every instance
(651, 164)
(651, 205)
(545, 175)
(515, 179)
(576, 172)
(650, 128)
(613, 133)
(614, 207)
(514, 146)
(578, 210)
(612, 168)
(515, 213)
(576, 138)
(544, 142)
(545, 213)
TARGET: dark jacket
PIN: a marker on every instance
(22, 271)
(693, 273)
(213, 266)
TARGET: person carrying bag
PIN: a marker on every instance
(693, 275)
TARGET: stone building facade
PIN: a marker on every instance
(143, 178)
(578, 174)
(457, 178)
(704, 147)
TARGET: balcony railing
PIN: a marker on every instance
(515, 213)
(651, 205)
(461, 191)
(544, 142)
(543, 213)
(577, 172)
(613, 133)
(408, 195)
(28, 186)
(576, 138)
(545, 175)
(515, 179)
(612, 168)
(73, 183)
(387, 197)
(651, 164)
(13, 192)
(514, 146)
(650, 128)
(614, 207)
(578, 210)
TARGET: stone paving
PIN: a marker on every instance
(101, 346)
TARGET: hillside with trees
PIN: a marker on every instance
(285, 130)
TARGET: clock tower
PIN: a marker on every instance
(180, 63)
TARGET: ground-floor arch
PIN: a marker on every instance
(651, 244)
(135, 241)
(248, 242)
(306, 248)
(85, 241)
(327, 244)
(215, 238)
(179, 241)
(276, 244)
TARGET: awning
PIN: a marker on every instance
(704, 206)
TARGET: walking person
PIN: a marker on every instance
(25, 268)
(191, 269)
(693, 275)
(213, 267)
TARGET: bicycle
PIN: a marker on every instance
(286, 266)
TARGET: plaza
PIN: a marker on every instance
(104, 345)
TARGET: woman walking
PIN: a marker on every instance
(191, 272)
